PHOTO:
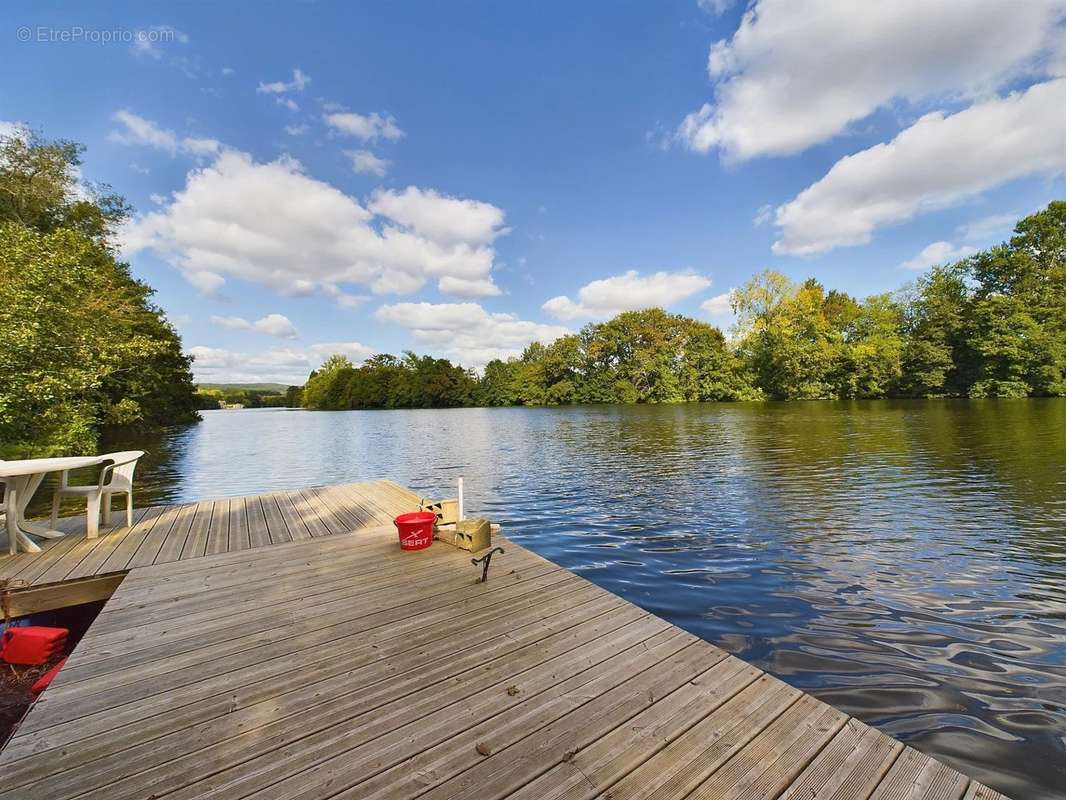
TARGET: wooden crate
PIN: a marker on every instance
(473, 534)
(447, 511)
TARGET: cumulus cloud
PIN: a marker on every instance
(363, 161)
(367, 127)
(796, 74)
(282, 364)
(719, 305)
(299, 82)
(627, 292)
(466, 332)
(273, 224)
(938, 253)
(468, 287)
(274, 324)
(439, 217)
(981, 230)
(344, 299)
(137, 130)
(938, 161)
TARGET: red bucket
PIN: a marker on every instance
(416, 529)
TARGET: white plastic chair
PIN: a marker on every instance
(115, 478)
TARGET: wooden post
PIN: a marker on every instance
(461, 511)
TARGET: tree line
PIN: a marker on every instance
(991, 325)
(211, 398)
(82, 346)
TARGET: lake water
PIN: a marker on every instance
(904, 561)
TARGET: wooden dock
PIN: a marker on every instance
(332, 665)
(75, 569)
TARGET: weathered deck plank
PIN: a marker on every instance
(311, 658)
(162, 534)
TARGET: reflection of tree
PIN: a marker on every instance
(999, 461)
(911, 468)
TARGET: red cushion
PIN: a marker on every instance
(32, 645)
(44, 680)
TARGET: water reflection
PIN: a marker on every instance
(903, 561)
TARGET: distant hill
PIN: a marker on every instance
(270, 388)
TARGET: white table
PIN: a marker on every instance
(21, 479)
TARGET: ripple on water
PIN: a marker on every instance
(905, 561)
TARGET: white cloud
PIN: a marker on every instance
(299, 82)
(344, 299)
(467, 332)
(763, 215)
(439, 217)
(939, 161)
(938, 253)
(274, 324)
(205, 280)
(719, 305)
(980, 230)
(210, 357)
(274, 225)
(796, 74)
(627, 292)
(297, 130)
(287, 102)
(283, 364)
(157, 198)
(148, 41)
(227, 71)
(368, 127)
(562, 307)
(137, 130)
(469, 287)
(200, 146)
(716, 7)
(233, 323)
(364, 161)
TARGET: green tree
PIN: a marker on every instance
(869, 359)
(293, 397)
(935, 359)
(1019, 309)
(76, 353)
(497, 385)
(40, 189)
(326, 386)
(81, 345)
(529, 383)
(991, 325)
(787, 337)
(709, 369)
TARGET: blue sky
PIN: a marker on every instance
(464, 178)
